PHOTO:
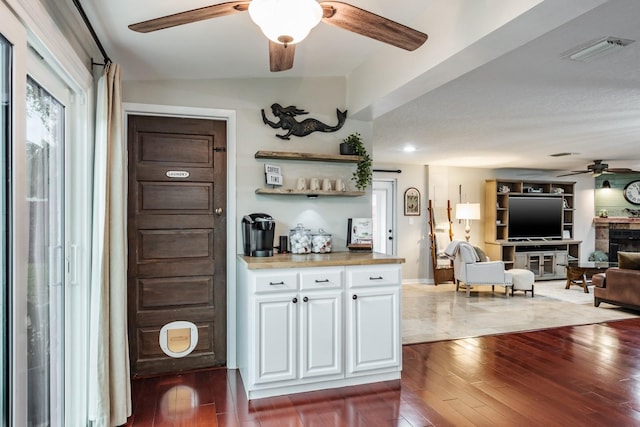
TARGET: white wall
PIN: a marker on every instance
(320, 97)
(455, 184)
(412, 233)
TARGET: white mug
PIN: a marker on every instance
(314, 184)
(326, 184)
(301, 184)
(340, 186)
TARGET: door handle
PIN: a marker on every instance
(218, 211)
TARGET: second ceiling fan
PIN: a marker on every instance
(597, 168)
(287, 22)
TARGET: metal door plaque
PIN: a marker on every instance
(177, 174)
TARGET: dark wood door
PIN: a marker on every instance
(177, 239)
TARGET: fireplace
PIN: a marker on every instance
(616, 234)
(624, 240)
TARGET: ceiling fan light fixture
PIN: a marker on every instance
(285, 21)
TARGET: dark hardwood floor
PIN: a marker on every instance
(570, 376)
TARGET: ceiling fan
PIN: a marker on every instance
(287, 22)
(597, 168)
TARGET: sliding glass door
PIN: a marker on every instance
(45, 272)
(5, 279)
(45, 207)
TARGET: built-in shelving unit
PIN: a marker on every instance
(544, 257)
(310, 157)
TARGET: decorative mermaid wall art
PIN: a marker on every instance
(287, 121)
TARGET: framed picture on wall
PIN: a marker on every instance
(412, 202)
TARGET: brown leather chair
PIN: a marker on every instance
(617, 286)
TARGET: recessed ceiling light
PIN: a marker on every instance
(409, 149)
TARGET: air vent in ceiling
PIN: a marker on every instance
(596, 48)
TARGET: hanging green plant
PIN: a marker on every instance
(363, 174)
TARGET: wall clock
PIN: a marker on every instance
(631, 192)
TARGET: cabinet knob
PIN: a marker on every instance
(295, 300)
(305, 299)
(355, 297)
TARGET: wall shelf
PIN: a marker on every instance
(312, 157)
(310, 193)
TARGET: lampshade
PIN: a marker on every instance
(468, 211)
(285, 21)
(606, 184)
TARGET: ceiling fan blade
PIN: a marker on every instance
(189, 16)
(574, 173)
(621, 170)
(281, 56)
(369, 24)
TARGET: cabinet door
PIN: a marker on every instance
(535, 263)
(373, 330)
(320, 333)
(276, 344)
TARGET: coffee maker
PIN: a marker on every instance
(257, 233)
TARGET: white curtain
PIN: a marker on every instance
(109, 382)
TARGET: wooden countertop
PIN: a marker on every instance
(319, 260)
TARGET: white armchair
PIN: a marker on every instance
(468, 269)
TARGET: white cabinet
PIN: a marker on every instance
(543, 264)
(299, 328)
(373, 313)
(276, 339)
(321, 333)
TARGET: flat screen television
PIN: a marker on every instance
(535, 218)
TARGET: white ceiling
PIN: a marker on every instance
(507, 100)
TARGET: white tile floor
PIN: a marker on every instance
(434, 313)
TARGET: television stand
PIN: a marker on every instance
(540, 255)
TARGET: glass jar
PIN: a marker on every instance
(300, 240)
(320, 242)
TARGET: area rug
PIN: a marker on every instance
(556, 289)
(435, 313)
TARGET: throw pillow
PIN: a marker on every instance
(629, 260)
(480, 253)
(598, 256)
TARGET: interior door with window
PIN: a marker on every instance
(383, 209)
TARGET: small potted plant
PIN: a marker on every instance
(345, 147)
(363, 174)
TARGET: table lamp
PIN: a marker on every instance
(468, 212)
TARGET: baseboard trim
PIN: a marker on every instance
(417, 281)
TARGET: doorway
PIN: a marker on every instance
(177, 239)
(384, 216)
